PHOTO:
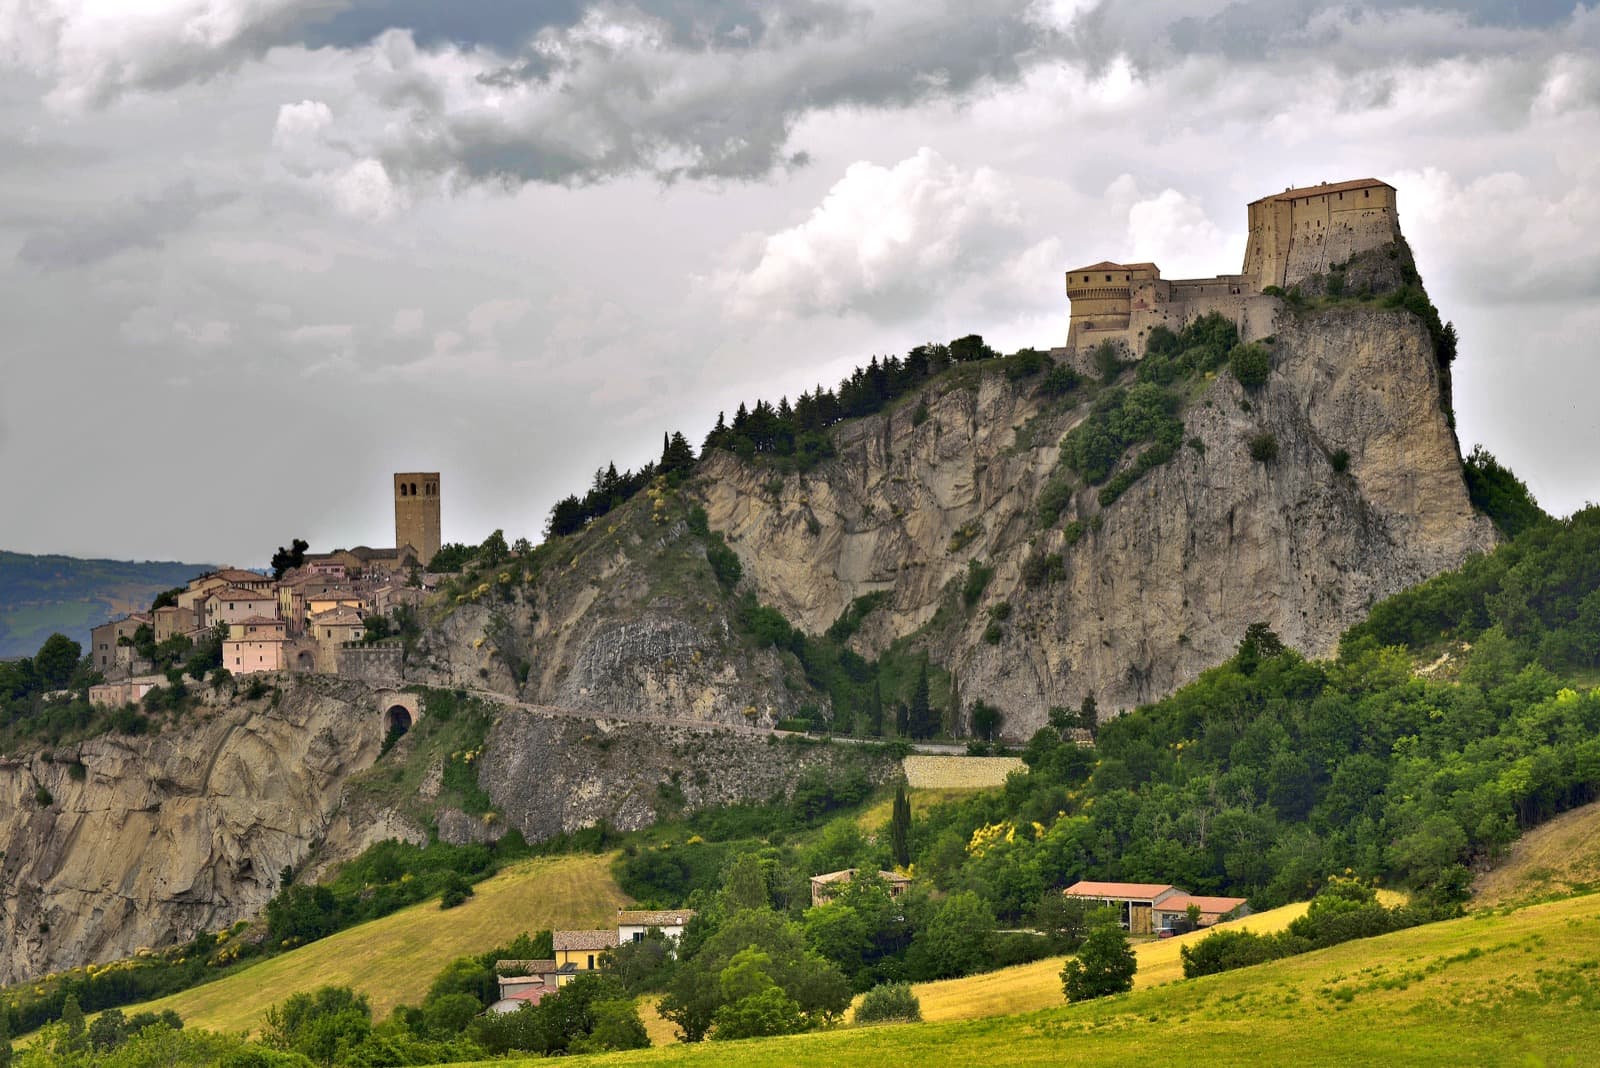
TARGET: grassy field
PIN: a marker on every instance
(1553, 858)
(1027, 987)
(393, 960)
(1498, 987)
(876, 815)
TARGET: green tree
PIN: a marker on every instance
(494, 551)
(616, 1026)
(956, 939)
(922, 721)
(1251, 364)
(6, 1052)
(1104, 965)
(285, 560)
(55, 661)
(1499, 494)
(72, 1028)
(986, 720)
(676, 454)
(319, 1024)
(746, 884)
(900, 827)
(889, 1003)
(1089, 714)
(109, 1030)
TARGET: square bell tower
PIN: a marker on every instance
(416, 513)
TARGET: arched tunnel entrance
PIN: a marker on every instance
(398, 719)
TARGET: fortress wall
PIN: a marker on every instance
(1255, 314)
(372, 663)
(1334, 240)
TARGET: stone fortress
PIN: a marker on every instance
(1293, 234)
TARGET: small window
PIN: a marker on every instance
(591, 962)
(638, 936)
(402, 489)
(1108, 278)
(1366, 192)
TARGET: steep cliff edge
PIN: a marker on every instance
(123, 842)
(1364, 497)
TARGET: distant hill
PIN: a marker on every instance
(40, 595)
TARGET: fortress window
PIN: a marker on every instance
(402, 489)
(413, 489)
(1108, 278)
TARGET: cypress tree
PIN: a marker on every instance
(5, 1036)
(900, 827)
(921, 712)
(72, 1021)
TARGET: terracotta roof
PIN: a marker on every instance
(1134, 891)
(1301, 192)
(1219, 906)
(532, 995)
(654, 917)
(258, 620)
(237, 574)
(1103, 265)
(237, 593)
(1136, 266)
(571, 940)
(337, 617)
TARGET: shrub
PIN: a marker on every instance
(1107, 361)
(993, 633)
(889, 1003)
(1060, 381)
(1264, 447)
(1340, 461)
(1499, 494)
(1025, 362)
(724, 562)
(1104, 965)
(1054, 499)
(42, 797)
(1223, 951)
(1041, 569)
(919, 414)
(1250, 364)
(977, 581)
(456, 891)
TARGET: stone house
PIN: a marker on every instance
(234, 604)
(823, 887)
(336, 625)
(634, 924)
(111, 644)
(579, 951)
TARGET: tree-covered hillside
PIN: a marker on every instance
(41, 595)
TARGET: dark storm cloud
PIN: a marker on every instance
(507, 27)
(136, 224)
(688, 91)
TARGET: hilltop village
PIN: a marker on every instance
(312, 618)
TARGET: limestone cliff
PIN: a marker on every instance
(1164, 581)
(147, 840)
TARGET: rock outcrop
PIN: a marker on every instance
(124, 842)
(1365, 497)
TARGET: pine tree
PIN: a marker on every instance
(920, 713)
(1089, 715)
(900, 827)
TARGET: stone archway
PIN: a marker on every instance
(400, 713)
(397, 720)
(305, 660)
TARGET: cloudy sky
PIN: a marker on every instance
(257, 254)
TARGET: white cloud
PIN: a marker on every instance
(1173, 231)
(300, 125)
(884, 242)
(95, 50)
(363, 190)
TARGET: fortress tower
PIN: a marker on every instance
(1301, 232)
(416, 513)
(1293, 234)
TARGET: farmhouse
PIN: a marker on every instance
(580, 950)
(1174, 910)
(633, 924)
(1147, 908)
(823, 887)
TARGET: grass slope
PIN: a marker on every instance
(1517, 987)
(1556, 857)
(394, 959)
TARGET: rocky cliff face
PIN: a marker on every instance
(552, 773)
(147, 840)
(1164, 581)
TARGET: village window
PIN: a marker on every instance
(591, 962)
